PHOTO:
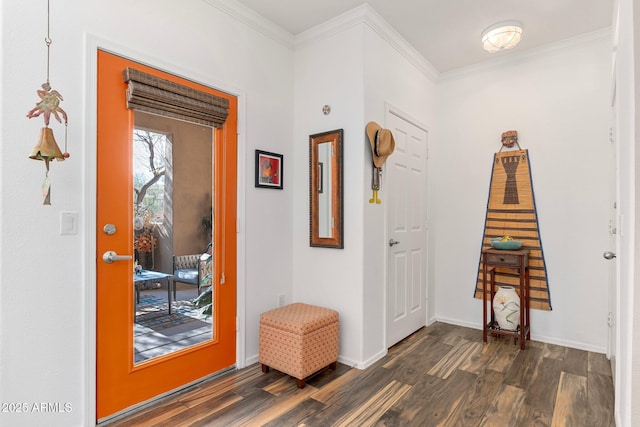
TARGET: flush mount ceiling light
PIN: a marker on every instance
(501, 36)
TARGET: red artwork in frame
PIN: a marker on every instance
(269, 168)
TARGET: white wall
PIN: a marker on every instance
(47, 283)
(328, 70)
(391, 81)
(354, 64)
(558, 101)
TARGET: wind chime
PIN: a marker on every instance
(47, 149)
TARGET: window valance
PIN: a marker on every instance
(152, 94)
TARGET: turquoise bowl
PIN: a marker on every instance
(510, 245)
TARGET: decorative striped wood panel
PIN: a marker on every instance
(511, 211)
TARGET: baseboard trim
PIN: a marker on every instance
(251, 360)
(534, 337)
(365, 364)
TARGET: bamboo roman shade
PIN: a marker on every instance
(152, 94)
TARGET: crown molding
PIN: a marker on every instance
(605, 33)
(366, 15)
(363, 14)
(254, 21)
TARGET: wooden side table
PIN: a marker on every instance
(518, 260)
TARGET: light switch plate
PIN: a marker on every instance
(68, 223)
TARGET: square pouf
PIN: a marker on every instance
(299, 339)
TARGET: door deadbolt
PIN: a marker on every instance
(109, 229)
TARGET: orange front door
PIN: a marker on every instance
(121, 383)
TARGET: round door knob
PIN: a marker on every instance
(609, 255)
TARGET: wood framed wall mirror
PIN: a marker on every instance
(325, 189)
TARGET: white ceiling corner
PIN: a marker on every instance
(254, 20)
(547, 49)
(446, 33)
(367, 15)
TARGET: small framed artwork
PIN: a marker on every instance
(269, 167)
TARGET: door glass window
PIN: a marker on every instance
(172, 214)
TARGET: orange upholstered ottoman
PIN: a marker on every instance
(299, 339)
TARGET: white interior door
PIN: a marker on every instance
(405, 190)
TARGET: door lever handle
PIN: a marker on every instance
(111, 256)
(609, 255)
(393, 242)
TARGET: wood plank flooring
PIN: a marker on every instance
(442, 375)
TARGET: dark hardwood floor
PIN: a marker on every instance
(442, 375)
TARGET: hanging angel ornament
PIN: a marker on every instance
(49, 104)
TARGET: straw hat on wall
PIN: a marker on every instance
(382, 143)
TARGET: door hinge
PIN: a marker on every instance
(610, 319)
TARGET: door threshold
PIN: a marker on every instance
(164, 396)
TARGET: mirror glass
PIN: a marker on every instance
(325, 161)
(172, 207)
(325, 214)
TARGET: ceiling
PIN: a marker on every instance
(447, 32)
